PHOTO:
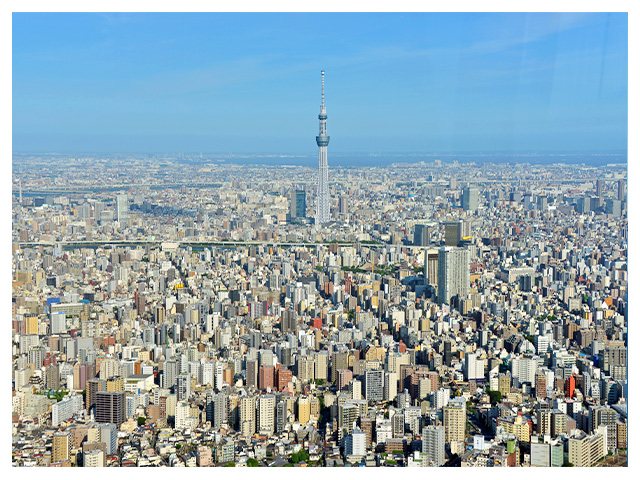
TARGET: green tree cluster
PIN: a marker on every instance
(301, 456)
(495, 396)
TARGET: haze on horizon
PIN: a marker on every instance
(418, 82)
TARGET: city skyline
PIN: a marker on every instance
(450, 289)
(426, 82)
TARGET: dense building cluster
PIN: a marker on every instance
(188, 312)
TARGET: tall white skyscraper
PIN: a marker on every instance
(266, 414)
(58, 323)
(453, 273)
(122, 208)
(183, 390)
(433, 444)
(322, 208)
(474, 367)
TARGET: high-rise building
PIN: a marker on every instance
(298, 208)
(66, 409)
(170, 373)
(109, 436)
(219, 410)
(183, 417)
(110, 407)
(374, 385)
(52, 377)
(431, 267)
(283, 377)
(322, 209)
(613, 207)
(355, 443)
(583, 205)
(94, 386)
(252, 373)
(433, 440)
(115, 384)
(305, 367)
(390, 386)
(321, 363)
(453, 273)
(474, 367)
(422, 234)
(281, 416)
(599, 188)
(247, 416)
(61, 448)
(344, 377)
(454, 419)
(355, 389)
(452, 233)
(347, 414)
(304, 409)
(266, 376)
(343, 204)
(122, 208)
(504, 384)
(470, 198)
(266, 414)
(622, 190)
(183, 386)
(58, 323)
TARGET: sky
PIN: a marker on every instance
(250, 83)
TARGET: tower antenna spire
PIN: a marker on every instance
(322, 88)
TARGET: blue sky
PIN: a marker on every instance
(416, 82)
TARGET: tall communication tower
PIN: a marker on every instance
(322, 210)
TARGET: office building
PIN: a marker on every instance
(422, 234)
(343, 205)
(622, 190)
(599, 188)
(110, 407)
(470, 200)
(613, 207)
(298, 207)
(94, 386)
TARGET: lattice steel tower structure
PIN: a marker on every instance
(322, 209)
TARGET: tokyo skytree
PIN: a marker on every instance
(322, 208)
